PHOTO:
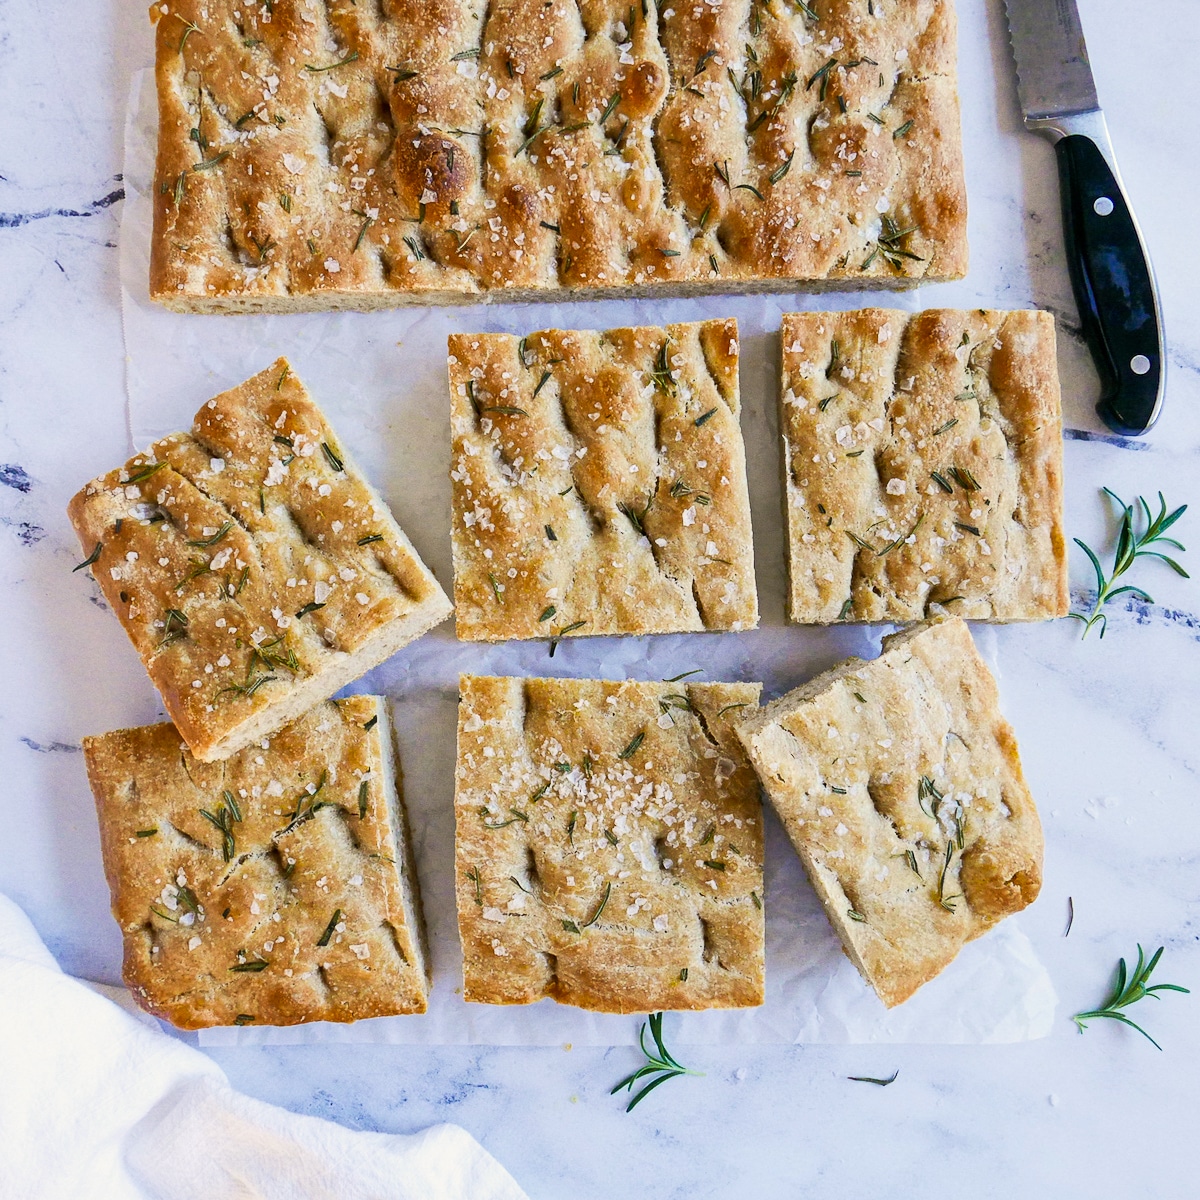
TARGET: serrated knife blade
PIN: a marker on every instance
(1054, 76)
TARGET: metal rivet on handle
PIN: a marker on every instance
(1139, 364)
(1103, 206)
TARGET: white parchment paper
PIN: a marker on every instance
(381, 378)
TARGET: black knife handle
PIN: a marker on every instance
(1114, 287)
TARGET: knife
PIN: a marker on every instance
(1111, 274)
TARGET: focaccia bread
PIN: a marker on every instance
(273, 888)
(361, 155)
(599, 483)
(608, 845)
(922, 462)
(252, 566)
(899, 784)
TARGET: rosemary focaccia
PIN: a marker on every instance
(361, 155)
(899, 784)
(922, 462)
(273, 888)
(599, 483)
(608, 845)
(252, 566)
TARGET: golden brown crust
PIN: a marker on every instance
(599, 483)
(922, 466)
(293, 856)
(339, 154)
(608, 845)
(252, 566)
(899, 784)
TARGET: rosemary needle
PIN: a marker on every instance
(1129, 989)
(658, 1068)
(871, 1079)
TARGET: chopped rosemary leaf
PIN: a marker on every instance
(323, 940)
(967, 528)
(783, 168)
(964, 479)
(899, 133)
(743, 704)
(948, 425)
(550, 534)
(91, 558)
(145, 833)
(871, 1079)
(634, 744)
(497, 591)
(610, 107)
(599, 907)
(244, 1019)
(712, 412)
(252, 967)
(310, 607)
(548, 612)
(145, 471)
(749, 187)
(714, 865)
(855, 916)
(334, 460)
(369, 538)
(216, 537)
(463, 55)
(371, 723)
(351, 57)
(570, 926)
(940, 480)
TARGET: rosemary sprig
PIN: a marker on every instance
(1131, 545)
(1129, 989)
(658, 1067)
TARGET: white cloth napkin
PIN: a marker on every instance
(96, 1103)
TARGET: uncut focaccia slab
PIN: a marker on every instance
(316, 155)
(899, 784)
(275, 887)
(599, 483)
(922, 460)
(608, 845)
(252, 566)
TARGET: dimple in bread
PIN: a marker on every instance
(599, 483)
(351, 155)
(252, 566)
(900, 786)
(273, 888)
(922, 462)
(608, 845)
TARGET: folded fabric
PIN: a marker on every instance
(98, 1103)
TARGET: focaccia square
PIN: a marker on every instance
(899, 784)
(608, 845)
(922, 462)
(599, 483)
(252, 566)
(273, 888)
(360, 155)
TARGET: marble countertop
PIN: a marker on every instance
(1107, 728)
